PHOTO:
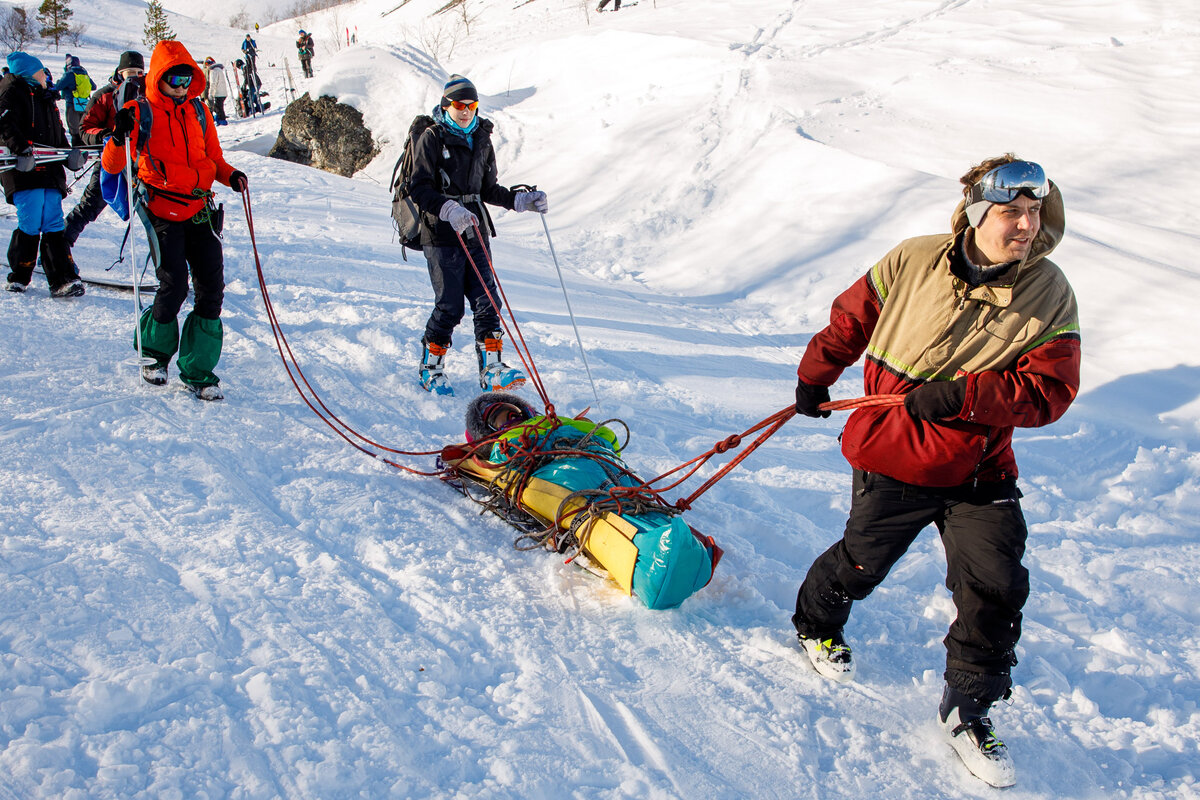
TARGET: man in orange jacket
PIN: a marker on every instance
(176, 166)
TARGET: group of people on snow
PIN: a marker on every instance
(156, 118)
(976, 328)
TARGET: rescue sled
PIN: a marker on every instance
(561, 482)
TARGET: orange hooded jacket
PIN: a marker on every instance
(181, 157)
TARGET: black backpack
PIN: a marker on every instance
(406, 217)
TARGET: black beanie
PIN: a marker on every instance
(180, 69)
(458, 88)
(131, 59)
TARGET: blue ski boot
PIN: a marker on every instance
(432, 378)
(494, 374)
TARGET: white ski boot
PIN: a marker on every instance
(494, 374)
(830, 657)
(432, 378)
(967, 729)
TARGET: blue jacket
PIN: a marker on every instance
(67, 84)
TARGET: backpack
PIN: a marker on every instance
(83, 90)
(406, 217)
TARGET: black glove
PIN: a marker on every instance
(76, 159)
(123, 125)
(238, 181)
(808, 397)
(936, 401)
(25, 160)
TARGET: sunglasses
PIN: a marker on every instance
(178, 81)
(458, 105)
(1006, 182)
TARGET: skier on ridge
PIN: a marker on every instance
(979, 331)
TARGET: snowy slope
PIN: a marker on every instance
(226, 600)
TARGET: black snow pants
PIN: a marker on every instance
(983, 532)
(182, 245)
(454, 280)
(87, 209)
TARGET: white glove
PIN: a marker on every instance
(530, 201)
(459, 218)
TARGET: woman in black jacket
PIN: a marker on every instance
(29, 118)
(454, 174)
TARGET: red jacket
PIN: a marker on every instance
(183, 157)
(1015, 341)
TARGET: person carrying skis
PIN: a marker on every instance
(453, 175)
(250, 51)
(95, 127)
(29, 118)
(304, 49)
(251, 91)
(76, 88)
(216, 89)
(176, 167)
(979, 331)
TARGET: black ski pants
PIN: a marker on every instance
(184, 245)
(454, 280)
(983, 532)
(90, 204)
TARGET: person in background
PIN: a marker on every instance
(979, 331)
(176, 168)
(76, 88)
(29, 118)
(95, 127)
(304, 49)
(454, 174)
(250, 53)
(603, 3)
(216, 89)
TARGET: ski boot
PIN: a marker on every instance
(830, 656)
(494, 374)
(433, 379)
(968, 730)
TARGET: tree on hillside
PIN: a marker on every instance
(16, 29)
(156, 29)
(54, 16)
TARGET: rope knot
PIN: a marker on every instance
(682, 504)
(728, 443)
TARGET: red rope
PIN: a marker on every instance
(290, 364)
(522, 348)
(869, 401)
(768, 426)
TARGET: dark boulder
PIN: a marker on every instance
(325, 134)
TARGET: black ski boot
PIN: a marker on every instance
(964, 721)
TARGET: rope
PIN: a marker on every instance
(522, 348)
(308, 394)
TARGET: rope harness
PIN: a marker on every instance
(568, 531)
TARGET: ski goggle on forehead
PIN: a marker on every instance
(178, 81)
(1004, 183)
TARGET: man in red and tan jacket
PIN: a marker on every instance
(176, 168)
(979, 331)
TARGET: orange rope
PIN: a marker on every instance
(291, 366)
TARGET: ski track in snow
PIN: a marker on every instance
(226, 600)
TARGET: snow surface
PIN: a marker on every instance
(225, 600)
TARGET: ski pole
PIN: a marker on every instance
(142, 360)
(570, 313)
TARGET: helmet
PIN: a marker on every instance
(210, 60)
(302, 31)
